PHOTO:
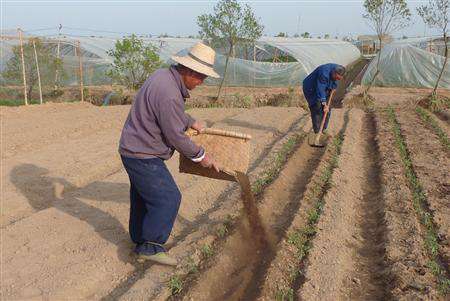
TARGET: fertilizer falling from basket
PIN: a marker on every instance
(251, 210)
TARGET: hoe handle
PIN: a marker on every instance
(322, 124)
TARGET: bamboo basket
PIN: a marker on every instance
(231, 150)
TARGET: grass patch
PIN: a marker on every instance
(284, 294)
(280, 158)
(175, 285)
(361, 101)
(420, 204)
(17, 102)
(207, 251)
(192, 267)
(435, 103)
(427, 118)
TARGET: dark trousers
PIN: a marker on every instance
(317, 115)
(154, 200)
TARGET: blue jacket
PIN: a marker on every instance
(318, 84)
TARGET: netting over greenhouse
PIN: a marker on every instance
(414, 62)
(264, 67)
(308, 54)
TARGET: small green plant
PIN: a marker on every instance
(175, 285)
(192, 267)
(222, 231)
(280, 158)
(284, 294)
(207, 251)
(427, 118)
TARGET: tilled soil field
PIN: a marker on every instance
(364, 218)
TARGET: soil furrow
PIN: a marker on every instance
(410, 277)
(240, 257)
(431, 163)
(283, 272)
(240, 267)
(346, 261)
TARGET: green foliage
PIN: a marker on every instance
(230, 24)
(17, 102)
(420, 203)
(133, 63)
(282, 35)
(435, 15)
(302, 238)
(284, 294)
(305, 35)
(192, 267)
(207, 251)
(280, 158)
(48, 65)
(426, 117)
(222, 231)
(385, 17)
(175, 285)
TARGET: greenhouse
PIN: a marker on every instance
(262, 65)
(414, 62)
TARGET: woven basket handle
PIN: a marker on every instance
(225, 133)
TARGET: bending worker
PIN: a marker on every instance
(317, 87)
(154, 129)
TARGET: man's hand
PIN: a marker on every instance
(209, 162)
(326, 108)
(199, 126)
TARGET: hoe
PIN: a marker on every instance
(316, 141)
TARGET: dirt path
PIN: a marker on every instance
(431, 162)
(347, 258)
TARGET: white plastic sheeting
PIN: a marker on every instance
(408, 63)
(309, 54)
(314, 52)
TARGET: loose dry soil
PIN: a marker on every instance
(65, 209)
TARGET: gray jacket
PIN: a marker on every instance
(156, 123)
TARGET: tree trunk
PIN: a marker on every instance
(224, 72)
(377, 70)
(434, 93)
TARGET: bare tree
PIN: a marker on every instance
(435, 15)
(385, 17)
(231, 24)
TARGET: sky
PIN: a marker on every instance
(178, 18)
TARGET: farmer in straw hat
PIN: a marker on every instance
(154, 129)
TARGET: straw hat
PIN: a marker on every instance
(200, 58)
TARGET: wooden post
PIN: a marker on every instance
(23, 67)
(38, 72)
(78, 50)
(57, 70)
(254, 59)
